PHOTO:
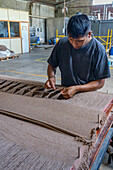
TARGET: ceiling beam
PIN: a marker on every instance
(44, 2)
(66, 2)
(50, 2)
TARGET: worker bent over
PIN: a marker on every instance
(81, 58)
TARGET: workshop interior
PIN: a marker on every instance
(56, 97)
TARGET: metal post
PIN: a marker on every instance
(110, 40)
(64, 18)
(109, 15)
(104, 12)
(107, 40)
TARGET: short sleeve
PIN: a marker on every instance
(101, 69)
(53, 59)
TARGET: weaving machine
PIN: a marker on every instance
(41, 130)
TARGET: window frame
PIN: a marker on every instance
(8, 25)
(8, 29)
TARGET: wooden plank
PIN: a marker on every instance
(10, 57)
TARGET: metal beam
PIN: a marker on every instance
(49, 3)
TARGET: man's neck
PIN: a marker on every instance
(87, 41)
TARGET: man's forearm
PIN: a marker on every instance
(94, 85)
(51, 71)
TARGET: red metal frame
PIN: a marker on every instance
(102, 132)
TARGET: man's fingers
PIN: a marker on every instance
(47, 85)
(61, 89)
(53, 85)
(64, 91)
(66, 96)
(50, 84)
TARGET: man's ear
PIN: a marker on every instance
(89, 34)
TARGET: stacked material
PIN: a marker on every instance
(27, 146)
(5, 52)
(62, 126)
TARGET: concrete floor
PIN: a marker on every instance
(33, 66)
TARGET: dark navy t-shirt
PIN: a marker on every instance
(80, 66)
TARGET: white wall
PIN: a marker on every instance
(13, 15)
(39, 23)
(15, 45)
(5, 42)
(41, 11)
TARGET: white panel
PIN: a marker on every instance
(24, 16)
(25, 37)
(16, 45)
(3, 14)
(14, 15)
(5, 42)
(39, 24)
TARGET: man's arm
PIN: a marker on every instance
(50, 83)
(94, 85)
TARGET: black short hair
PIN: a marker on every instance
(78, 26)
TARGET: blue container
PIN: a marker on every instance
(111, 51)
(38, 40)
(109, 63)
(54, 41)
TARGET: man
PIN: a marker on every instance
(81, 59)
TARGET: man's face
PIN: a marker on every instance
(79, 42)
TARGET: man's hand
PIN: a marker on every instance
(69, 92)
(93, 85)
(50, 83)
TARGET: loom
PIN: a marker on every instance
(39, 129)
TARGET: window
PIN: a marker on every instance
(3, 29)
(14, 29)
